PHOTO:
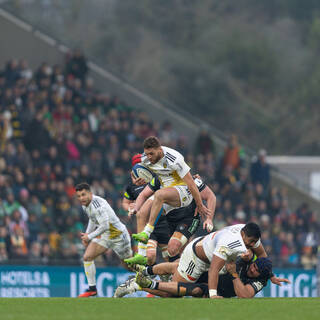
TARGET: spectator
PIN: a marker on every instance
(233, 156)
(260, 170)
(204, 143)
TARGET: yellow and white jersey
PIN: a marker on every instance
(226, 243)
(170, 169)
(102, 219)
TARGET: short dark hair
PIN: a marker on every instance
(83, 186)
(252, 230)
(151, 142)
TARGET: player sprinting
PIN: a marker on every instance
(104, 231)
(178, 188)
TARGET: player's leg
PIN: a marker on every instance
(142, 218)
(93, 250)
(152, 251)
(169, 196)
(121, 245)
(184, 231)
(173, 289)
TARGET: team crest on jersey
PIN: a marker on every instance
(184, 198)
(165, 165)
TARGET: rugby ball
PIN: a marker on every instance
(140, 171)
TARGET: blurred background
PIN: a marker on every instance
(233, 86)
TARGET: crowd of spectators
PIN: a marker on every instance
(56, 130)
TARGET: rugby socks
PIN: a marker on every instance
(142, 249)
(149, 271)
(90, 270)
(154, 285)
(148, 229)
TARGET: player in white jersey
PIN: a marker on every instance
(177, 185)
(210, 253)
(104, 231)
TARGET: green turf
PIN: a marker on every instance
(154, 309)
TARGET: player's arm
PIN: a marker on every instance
(201, 208)
(143, 196)
(208, 195)
(126, 203)
(259, 250)
(103, 220)
(213, 275)
(261, 253)
(241, 290)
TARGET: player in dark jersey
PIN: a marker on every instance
(244, 280)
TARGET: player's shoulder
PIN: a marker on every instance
(172, 155)
(98, 202)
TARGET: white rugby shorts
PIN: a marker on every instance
(121, 245)
(190, 266)
(185, 198)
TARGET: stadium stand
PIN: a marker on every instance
(56, 130)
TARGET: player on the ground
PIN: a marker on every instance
(183, 222)
(104, 231)
(210, 253)
(178, 188)
(244, 279)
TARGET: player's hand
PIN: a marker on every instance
(137, 181)
(247, 256)
(231, 267)
(131, 210)
(84, 238)
(196, 176)
(203, 211)
(277, 281)
(207, 225)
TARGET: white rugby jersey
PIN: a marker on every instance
(170, 169)
(226, 243)
(102, 217)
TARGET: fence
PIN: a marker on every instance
(40, 281)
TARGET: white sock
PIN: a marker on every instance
(90, 270)
(148, 229)
(142, 249)
(136, 286)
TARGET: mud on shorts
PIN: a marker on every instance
(121, 245)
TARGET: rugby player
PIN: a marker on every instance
(182, 221)
(178, 187)
(104, 231)
(160, 235)
(243, 279)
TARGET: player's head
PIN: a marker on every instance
(152, 149)
(250, 234)
(84, 193)
(260, 268)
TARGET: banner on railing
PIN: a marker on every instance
(40, 281)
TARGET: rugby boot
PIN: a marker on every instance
(142, 237)
(137, 259)
(88, 293)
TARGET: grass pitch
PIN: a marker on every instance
(154, 309)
